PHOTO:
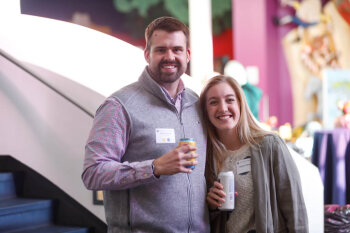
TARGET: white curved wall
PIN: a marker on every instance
(44, 131)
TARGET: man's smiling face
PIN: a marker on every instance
(167, 56)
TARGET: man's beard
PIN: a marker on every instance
(168, 77)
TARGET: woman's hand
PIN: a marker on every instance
(216, 196)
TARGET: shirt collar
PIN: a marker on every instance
(180, 91)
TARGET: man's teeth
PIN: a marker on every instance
(168, 67)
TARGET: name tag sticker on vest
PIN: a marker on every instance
(243, 166)
(165, 136)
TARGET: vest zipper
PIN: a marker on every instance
(189, 204)
(179, 116)
(189, 192)
(129, 218)
(183, 129)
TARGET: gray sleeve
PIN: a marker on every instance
(288, 188)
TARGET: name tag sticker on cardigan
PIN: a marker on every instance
(243, 166)
(165, 136)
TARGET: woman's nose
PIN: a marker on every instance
(222, 106)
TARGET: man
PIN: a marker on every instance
(132, 151)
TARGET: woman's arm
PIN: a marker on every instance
(288, 188)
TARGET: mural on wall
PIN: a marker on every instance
(309, 48)
(137, 15)
(127, 19)
(145, 11)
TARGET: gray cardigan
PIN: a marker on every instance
(278, 200)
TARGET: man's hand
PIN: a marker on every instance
(175, 161)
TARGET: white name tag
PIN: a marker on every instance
(243, 166)
(165, 136)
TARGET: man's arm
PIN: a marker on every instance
(103, 169)
(108, 139)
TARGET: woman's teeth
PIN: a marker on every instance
(223, 117)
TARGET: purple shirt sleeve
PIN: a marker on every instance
(108, 139)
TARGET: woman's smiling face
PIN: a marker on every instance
(223, 107)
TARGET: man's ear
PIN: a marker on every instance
(188, 55)
(146, 54)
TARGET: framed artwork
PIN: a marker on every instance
(335, 88)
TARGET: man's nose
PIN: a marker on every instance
(169, 55)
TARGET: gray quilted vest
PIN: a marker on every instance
(173, 203)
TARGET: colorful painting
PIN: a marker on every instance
(336, 87)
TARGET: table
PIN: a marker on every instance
(331, 154)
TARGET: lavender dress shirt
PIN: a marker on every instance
(106, 146)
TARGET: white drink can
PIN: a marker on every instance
(227, 179)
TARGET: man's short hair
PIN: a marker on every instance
(168, 24)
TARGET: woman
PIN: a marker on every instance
(269, 191)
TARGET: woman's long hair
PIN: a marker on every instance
(249, 132)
